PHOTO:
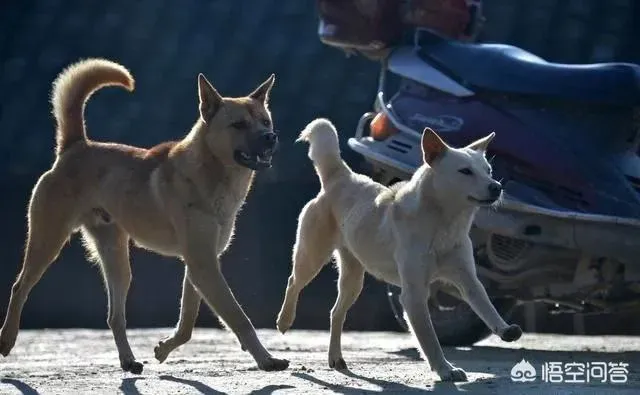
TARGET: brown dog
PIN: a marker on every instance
(177, 199)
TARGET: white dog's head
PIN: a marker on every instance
(461, 176)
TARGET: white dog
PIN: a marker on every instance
(409, 236)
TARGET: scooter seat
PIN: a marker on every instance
(509, 69)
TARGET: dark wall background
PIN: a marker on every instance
(236, 44)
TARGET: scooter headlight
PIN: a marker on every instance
(381, 127)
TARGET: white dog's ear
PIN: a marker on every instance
(210, 99)
(482, 144)
(433, 147)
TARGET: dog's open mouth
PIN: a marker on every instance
(482, 202)
(254, 161)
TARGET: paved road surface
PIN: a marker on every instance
(85, 362)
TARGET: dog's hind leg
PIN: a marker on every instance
(50, 221)
(110, 245)
(349, 287)
(315, 241)
(189, 308)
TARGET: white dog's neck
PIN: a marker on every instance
(420, 196)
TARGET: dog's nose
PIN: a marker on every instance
(495, 189)
(269, 139)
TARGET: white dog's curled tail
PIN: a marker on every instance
(324, 149)
(322, 136)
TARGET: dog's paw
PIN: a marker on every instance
(272, 364)
(132, 366)
(161, 352)
(6, 345)
(5, 348)
(453, 374)
(512, 333)
(284, 323)
(338, 363)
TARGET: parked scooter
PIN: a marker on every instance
(567, 149)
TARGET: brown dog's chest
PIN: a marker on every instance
(219, 198)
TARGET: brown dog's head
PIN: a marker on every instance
(238, 130)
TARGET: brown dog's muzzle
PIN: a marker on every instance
(261, 151)
(268, 142)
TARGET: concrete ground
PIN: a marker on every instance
(85, 362)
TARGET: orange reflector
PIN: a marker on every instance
(381, 127)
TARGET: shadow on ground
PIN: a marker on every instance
(128, 386)
(394, 387)
(21, 386)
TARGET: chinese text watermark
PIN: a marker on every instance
(572, 372)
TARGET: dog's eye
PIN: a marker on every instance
(466, 171)
(266, 122)
(240, 125)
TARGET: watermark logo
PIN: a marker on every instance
(523, 372)
(572, 372)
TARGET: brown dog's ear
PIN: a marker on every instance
(433, 147)
(210, 99)
(262, 92)
(482, 144)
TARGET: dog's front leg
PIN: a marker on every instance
(204, 273)
(189, 308)
(415, 294)
(476, 296)
(459, 268)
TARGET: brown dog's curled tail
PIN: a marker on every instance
(71, 90)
